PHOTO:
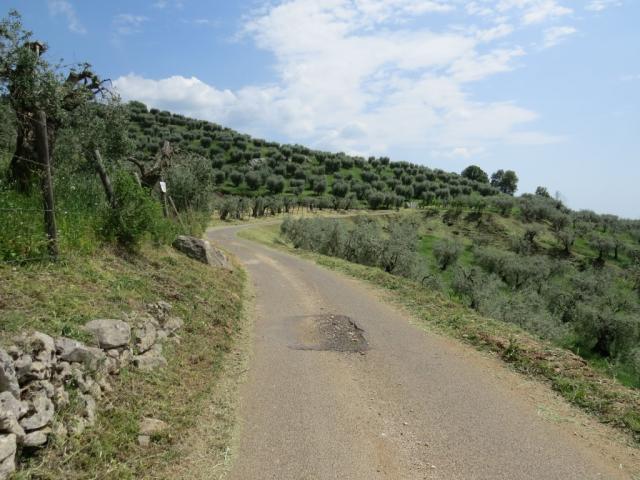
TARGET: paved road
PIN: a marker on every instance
(411, 405)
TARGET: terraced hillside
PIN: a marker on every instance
(247, 166)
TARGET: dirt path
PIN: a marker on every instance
(342, 386)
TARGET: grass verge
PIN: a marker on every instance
(59, 298)
(609, 401)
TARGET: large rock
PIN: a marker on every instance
(40, 413)
(151, 360)
(10, 403)
(202, 251)
(9, 414)
(23, 367)
(8, 378)
(73, 351)
(109, 333)
(7, 455)
(40, 346)
(37, 438)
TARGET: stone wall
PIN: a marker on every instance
(37, 373)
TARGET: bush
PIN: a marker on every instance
(136, 216)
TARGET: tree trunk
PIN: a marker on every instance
(24, 162)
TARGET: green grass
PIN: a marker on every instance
(571, 376)
(60, 298)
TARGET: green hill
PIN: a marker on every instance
(252, 167)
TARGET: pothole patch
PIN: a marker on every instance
(337, 333)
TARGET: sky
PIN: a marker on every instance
(548, 88)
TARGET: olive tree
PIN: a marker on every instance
(446, 252)
(505, 181)
(475, 173)
(275, 184)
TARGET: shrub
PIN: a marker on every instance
(136, 215)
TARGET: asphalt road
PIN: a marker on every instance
(324, 400)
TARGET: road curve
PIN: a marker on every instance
(413, 405)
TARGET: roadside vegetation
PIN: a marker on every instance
(110, 256)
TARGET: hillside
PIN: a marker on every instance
(247, 166)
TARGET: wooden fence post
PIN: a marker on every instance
(42, 146)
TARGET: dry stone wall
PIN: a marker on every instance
(38, 372)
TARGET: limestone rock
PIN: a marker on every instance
(151, 426)
(202, 251)
(145, 336)
(173, 324)
(63, 372)
(8, 448)
(8, 377)
(73, 351)
(37, 387)
(36, 438)
(88, 409)
(9, 424)
(109, 333)
(23, 367)
(143, 441)
(151, 360)
(40, 413)
(10, 403)
(37, 371)
(40, 346)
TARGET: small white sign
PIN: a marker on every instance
(163, 187)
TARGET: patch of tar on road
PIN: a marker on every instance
(337, 333)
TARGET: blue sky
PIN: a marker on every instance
(549, 88)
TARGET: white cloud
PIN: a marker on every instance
(65, 8)
(529, 12)
(353, 76)
(162, 4)
(543, 10)
(599, 5)
(128, 24)
(555, 35)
